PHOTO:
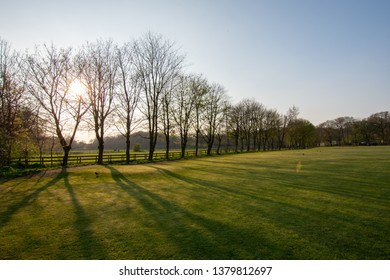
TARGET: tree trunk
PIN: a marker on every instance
(209, 148)
(152, 146)
(210, 145)
(66, 155)
(236, 141)
(219, 144)
(183, 151)
(101, 151)
(151, 152)
(183, 144)
(197, 142)
(40, 155)
(128, 147)
(167, 133)
(168, 142)
(153, 132)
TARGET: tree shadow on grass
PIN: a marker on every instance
(90, 247)
(194, 236)
(308, 222)
(26, 200)
(210, 186)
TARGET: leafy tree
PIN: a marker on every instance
(380, 123)
(301, 133)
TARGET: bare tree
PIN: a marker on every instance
(247, 124)
(234, 124)
(128, 95)
(184, 100)
(99, 66)
(343, 126)
(284, 121)
(50, 74)
(11, 93)
(213, 109)
(327, 132)
(158, 63)
(38, 130)
(271, 125)
(199, 89)
(248, 121)
(258, 125)
(166, 114)
(292, 116)
(222, 127)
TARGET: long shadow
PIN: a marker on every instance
(90, 247)
(352, 192)
(195, 236)
(290, 181)
(6, 216)
(204, 183)
(16, 183)
(307, 222)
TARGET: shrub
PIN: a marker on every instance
(137, 147)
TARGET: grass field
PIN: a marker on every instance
(335, 204)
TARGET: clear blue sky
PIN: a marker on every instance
(329, 58)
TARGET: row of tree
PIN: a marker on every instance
(374, 130)
(285, 134)
(47, 96)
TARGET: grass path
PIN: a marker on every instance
(246, 206)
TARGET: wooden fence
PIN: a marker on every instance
(107, 158)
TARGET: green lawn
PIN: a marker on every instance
(245, 206)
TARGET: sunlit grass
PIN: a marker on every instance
(246, 206)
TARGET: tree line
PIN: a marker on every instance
(373, 130)
(50, 94)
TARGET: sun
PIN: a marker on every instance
(77, 88)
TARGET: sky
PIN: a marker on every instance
(328, 58)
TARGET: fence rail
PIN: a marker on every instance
(107, 158)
